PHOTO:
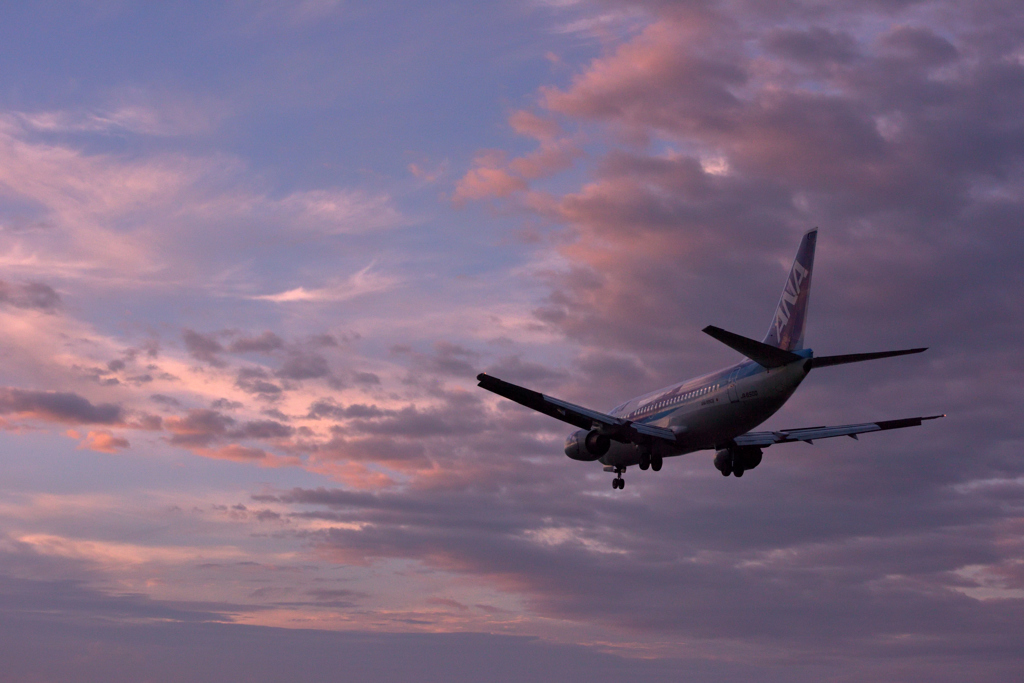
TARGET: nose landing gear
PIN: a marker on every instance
(618, 482)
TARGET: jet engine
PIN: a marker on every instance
(737, 460)
(591, 447)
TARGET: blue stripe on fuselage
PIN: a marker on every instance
(733, 373)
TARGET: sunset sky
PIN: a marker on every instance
(253, 254)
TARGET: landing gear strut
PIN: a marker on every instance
(618, 482)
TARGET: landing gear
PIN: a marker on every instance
(618, 482)
(736, 460)
(650, 460)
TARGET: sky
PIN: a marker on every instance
(253, 254)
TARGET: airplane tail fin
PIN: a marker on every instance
(787, 330)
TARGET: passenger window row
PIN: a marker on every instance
(661, 404)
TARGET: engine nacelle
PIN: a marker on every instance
(587, 446)
(738, 458)
(597, 444)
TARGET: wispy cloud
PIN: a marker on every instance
(360, 283)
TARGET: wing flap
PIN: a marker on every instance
(651, 430)
(809, 434)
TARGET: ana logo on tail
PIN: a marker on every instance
(789, 297)
(787, 329)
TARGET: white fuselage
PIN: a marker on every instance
(708, 412)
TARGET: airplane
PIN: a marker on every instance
(715, 411)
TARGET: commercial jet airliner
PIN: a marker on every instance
(715, 411)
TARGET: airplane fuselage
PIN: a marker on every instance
(706, 412)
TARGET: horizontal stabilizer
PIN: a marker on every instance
(825, 361)
(763, 354)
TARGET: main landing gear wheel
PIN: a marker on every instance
(645, 461)
(738, 471)
(656, 463)
(618, 482)
(726, 472)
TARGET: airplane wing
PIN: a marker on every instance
(615, 427)
(809, 434)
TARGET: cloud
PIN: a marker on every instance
(179, 641)
(361, 283)
(198, 427)
(813, 46)
(262, 429)
(486, 179)
(337, 212)
(203, 347)
(920, 45)
(303, 365)
(718, 156)
(656, 80)
(57, 406)
(265, 343)
(170, 117)
(32, 295)
(107, 220)
(254, 380)
(328, 407)
(245, 454)
(104, 442)
(535, 126)
(495, 176)
(550, 158)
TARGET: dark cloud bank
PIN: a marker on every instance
(38, 649)
(896, 128)
(63, 630)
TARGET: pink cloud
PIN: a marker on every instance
(103, 442)
(486, 180)
(495, 176)
(550, 158)
(247, 454)
(529, 124)
(660, 79)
